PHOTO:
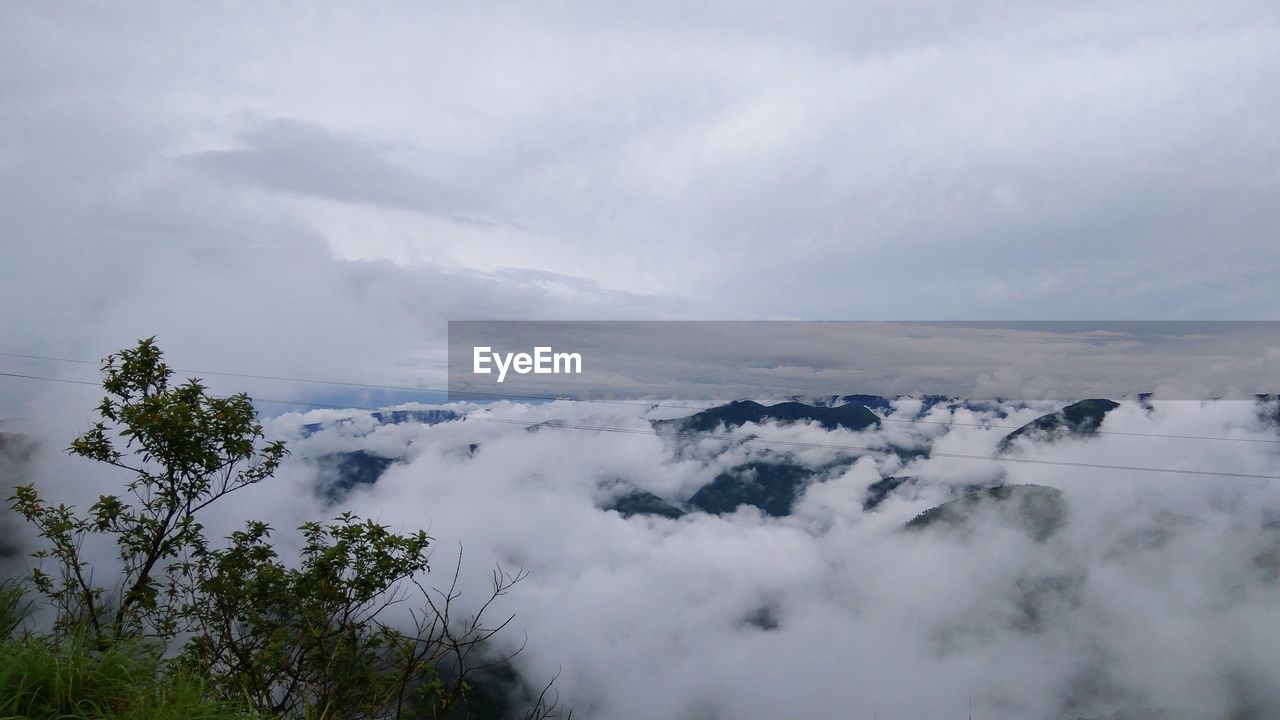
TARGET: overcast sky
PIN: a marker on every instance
(270, 187)
(281, 190)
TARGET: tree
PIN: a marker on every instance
(308, 638)
(186, 449)
(315, 636)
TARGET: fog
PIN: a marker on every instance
(306, 192)
(1156, 594)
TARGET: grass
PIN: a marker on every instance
(41, 679)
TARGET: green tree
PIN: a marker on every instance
(314, 636)
(186, 450)
(292, 639)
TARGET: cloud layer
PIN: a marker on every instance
(311, 192)
(1156, 594)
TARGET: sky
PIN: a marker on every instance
(314, 191)
(319, 188)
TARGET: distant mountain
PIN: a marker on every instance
(876, 403)
(878, 492)
(771, 482)
(431, 416)
(770, 486)
(553, 423)
(1037, 509)
(342, 472)
(1081, 419)
(640, 502)
(929, 402)
(882, 405)
(740, 412)
(870, 402)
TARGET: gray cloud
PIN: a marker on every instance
(1153, 595)
(847, 160)
(308, 160)
(279, 192)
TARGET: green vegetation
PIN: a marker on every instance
(185, 628)
(45, 678)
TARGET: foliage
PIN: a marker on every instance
(316, 636)
(14, 608)
(72, 678)
(308, 638)
(186, 450)
(41, 678)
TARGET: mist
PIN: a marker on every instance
(295, 200)
(1156, 595)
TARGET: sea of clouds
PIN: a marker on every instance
(314, 194)
(1159, 593)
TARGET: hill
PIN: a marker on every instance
(1079, 419)
(740, 412)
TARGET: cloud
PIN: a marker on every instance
(313, 194)
(859, 161)
(1154, 594)
(305, 159)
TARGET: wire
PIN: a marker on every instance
(340, 383)
(797, 443)
(1096, 432)
(259, 399)
(763, 441)
(61, 380)
(375, 386)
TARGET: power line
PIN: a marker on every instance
(1096, 432)
(61, 380)
(329, 406)
(798, 443)
(764, 441)
(374, 386)
(341, 383)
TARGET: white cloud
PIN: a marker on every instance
(312, 192)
